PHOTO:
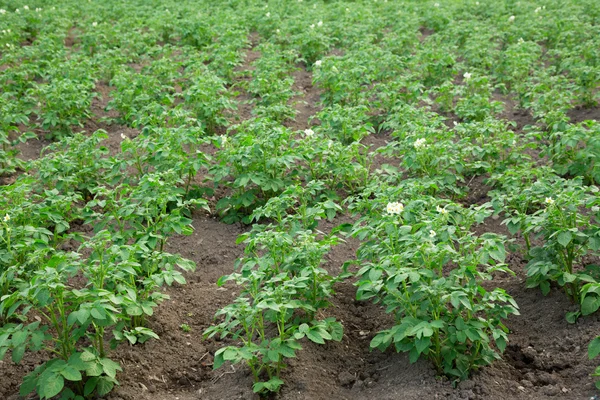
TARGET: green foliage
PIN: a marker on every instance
(406, 102)
(421, 260)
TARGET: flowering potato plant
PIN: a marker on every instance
(546, 207)
(420, 259)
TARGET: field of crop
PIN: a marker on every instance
(299, 199)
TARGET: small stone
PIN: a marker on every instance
(521, 388)
(346, 378)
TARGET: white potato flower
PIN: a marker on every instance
(432, 233)
(549, 200)
(318, 63)
(268, 14)
(419, 143)
(441, 210)
(537, 10)
(520, 41)
(511, 18)
(467, 76)
(312, 26)
(6, 218)
(123, 136)
(2, 11)
(320, 23)
(436, 5)
(309, 132)
(25, 7)
(394, 208)
(94, 24)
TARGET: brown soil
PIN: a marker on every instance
(580, 114)
(307, 102)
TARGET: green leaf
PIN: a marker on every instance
(71, 374)
(51, 386)
(572, 316)
(286, 351)
(513, 227)
(28, 384)
(590, 304)
(337, 331)
(98, 313)
(271, 385)
(76, 362)
(94, 369)
(4, 339)
(104, 386)
(422, 344)
(87, 356)
(594, 348)
(315, 337)
(568, 278)
(273, 355)
(501, 343)
(218, 360)
(304, 328)
(17, 353)
(37, 339)
(564, 238)
(498, 254)
(18, 338)
(90, 385)
(110, 367)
